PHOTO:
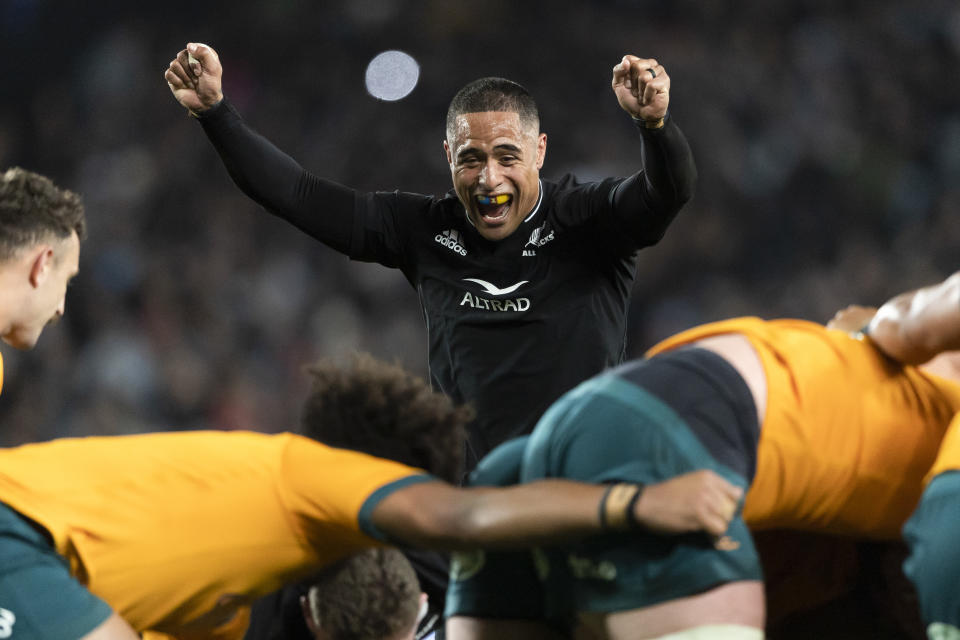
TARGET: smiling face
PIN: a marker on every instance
(495, 165)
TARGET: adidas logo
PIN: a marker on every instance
(451, 240)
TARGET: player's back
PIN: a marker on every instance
(848, 434)
(177, 530)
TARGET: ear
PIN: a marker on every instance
(424, 608)
(312, 623)
(40, 265)
(446, 150)
(541, 150)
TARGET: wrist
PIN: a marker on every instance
(651, 123)
(617, 509)
(207, 111)
(863, 333)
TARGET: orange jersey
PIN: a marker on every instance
(848, 434)
(176, 531)
(948, 458)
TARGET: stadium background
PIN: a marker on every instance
(827, 136)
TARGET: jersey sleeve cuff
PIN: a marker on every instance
(652, 127)
(365, 517)
(218, 113)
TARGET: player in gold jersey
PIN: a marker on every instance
(829, 433)
(923, 326)
(175, 533)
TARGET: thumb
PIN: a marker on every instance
(202, 58)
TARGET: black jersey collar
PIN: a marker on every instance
(536, 207)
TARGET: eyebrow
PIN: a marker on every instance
(512, 148)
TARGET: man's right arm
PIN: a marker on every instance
(648, 201)
(319, 207)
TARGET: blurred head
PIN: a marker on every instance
(495, 151)
(371, 595)
(41, 227)
(383, 410)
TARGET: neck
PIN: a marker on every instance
(11, 297)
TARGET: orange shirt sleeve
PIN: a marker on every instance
(325, 490)
(948, 457)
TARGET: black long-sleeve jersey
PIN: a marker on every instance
(511, 324)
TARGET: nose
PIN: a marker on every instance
(490, 176)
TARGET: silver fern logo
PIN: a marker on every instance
(536, 240)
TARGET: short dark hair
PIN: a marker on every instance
(493, 94)
(33, 209)
(370, 595)
(384, 410)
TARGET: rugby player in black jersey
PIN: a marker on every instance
(524, 282)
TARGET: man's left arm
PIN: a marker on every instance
(917, 325)
(649, 200)
(911, 327)
(439, 516)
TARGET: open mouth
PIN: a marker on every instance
(493, 209)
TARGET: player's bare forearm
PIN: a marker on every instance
(467, 628)
(915, 326)
(435, 515)
(439, 516)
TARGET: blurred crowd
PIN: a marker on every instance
(827, 137)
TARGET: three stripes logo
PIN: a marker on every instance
(452, 240)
